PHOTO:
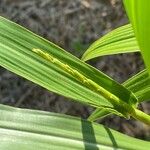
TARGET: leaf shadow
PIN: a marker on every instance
(89, 139)
(112, 138)
(88, 136)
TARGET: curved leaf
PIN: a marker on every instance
(50, 66)
(22, 129)
(120, 40)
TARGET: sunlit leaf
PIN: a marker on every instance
(22, 129)
(48, 65)
(139, 84)
(138, 12)
(120, 40)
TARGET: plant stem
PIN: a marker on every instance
(139, 115)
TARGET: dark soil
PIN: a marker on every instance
(73, 25)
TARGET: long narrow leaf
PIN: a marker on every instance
(120, 40)
(98, 114)
(50, 66)
(22, 129)
(138, 12)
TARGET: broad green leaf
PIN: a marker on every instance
(139, 85)
(120, 40)
(48, 65)
(138, 12)
(22, 129)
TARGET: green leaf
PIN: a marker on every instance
(138, 12)
(48, 65)
(110, 43)
(139, 84)
(22, 129)
(98, 113)
(120, 40)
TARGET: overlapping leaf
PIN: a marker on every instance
(139, 85)
(120, 40)
(16, 54)
(22, 129)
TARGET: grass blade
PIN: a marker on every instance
(138, 12)
(98, 114)
(56, 70)
(120, 40)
